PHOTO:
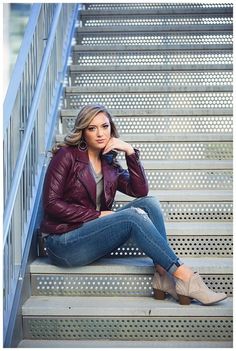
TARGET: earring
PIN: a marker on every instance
(83, 145)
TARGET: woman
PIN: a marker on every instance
(80, 185)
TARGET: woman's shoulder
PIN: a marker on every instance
(65, 154)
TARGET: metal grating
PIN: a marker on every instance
(186, 246)
(155, 39)
(169, 58)
(189, 100)
(193, 211)
(157, 20)
(169, 6)
(185, 151)
(208, 78)
(166, 124)
(184, 179)
(125, 328)
(111, 285)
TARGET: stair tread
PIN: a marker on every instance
(185, 195)
(132, 265)
(120, 306)
(28, 343)
(164, 47)
(157, 28)
(149, 88)
(126, 112)
(158, 10)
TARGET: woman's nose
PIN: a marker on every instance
(99, 132)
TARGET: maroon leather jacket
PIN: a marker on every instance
(69, 197)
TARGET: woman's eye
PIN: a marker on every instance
(105, 126)
(91, 129)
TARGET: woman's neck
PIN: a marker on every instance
(94, 155)
(95, 160)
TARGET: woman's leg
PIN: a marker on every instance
(101, 236)
(152, 207)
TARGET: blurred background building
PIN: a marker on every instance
(15, 19)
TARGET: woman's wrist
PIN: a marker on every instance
(129, 150)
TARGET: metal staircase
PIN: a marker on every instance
(165, 72)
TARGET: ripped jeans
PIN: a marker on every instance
(140, 220)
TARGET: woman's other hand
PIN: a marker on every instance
(105, 213)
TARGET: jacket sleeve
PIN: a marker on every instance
(53, 198)
(133, 181)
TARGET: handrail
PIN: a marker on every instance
(30, 114)
(27, 135)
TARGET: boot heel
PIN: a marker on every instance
(159, 295)
(184, 300)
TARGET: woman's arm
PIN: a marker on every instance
(133, 181)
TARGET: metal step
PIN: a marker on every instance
(161, 126)
(149, 112)
(149, 79)
(181, 164)
(121, 344)
(185, 195)
(131, 265)
(121, 276)
(168, 39)
(166, 59)
(191, 211)
(155, 67)
(156, 8)
(125, 318)
(187, 103)
(179, 150)
(157, 28)
(144, 47)
(148, 89)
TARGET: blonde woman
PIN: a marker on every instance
(81, 227)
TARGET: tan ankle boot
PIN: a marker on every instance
(162, 285)
(196, 289)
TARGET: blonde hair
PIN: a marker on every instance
(84, 118)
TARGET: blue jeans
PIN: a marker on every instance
(140, 220)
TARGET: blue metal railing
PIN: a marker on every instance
(30, 114)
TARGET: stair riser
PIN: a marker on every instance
(111, 285)
(149, 79)
(148, 328)
(193, 125)
(181, 101)
(134, 58)
(193, 211)
(158, 39)
(102, 9)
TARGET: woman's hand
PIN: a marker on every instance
(119, 145)
(105, 213)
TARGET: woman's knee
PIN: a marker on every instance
(137, 213)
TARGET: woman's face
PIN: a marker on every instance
(98, 132)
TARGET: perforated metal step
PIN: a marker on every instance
(121, 344)
(110, 318)
(120, 275)
(160, 8)
(150, 79)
